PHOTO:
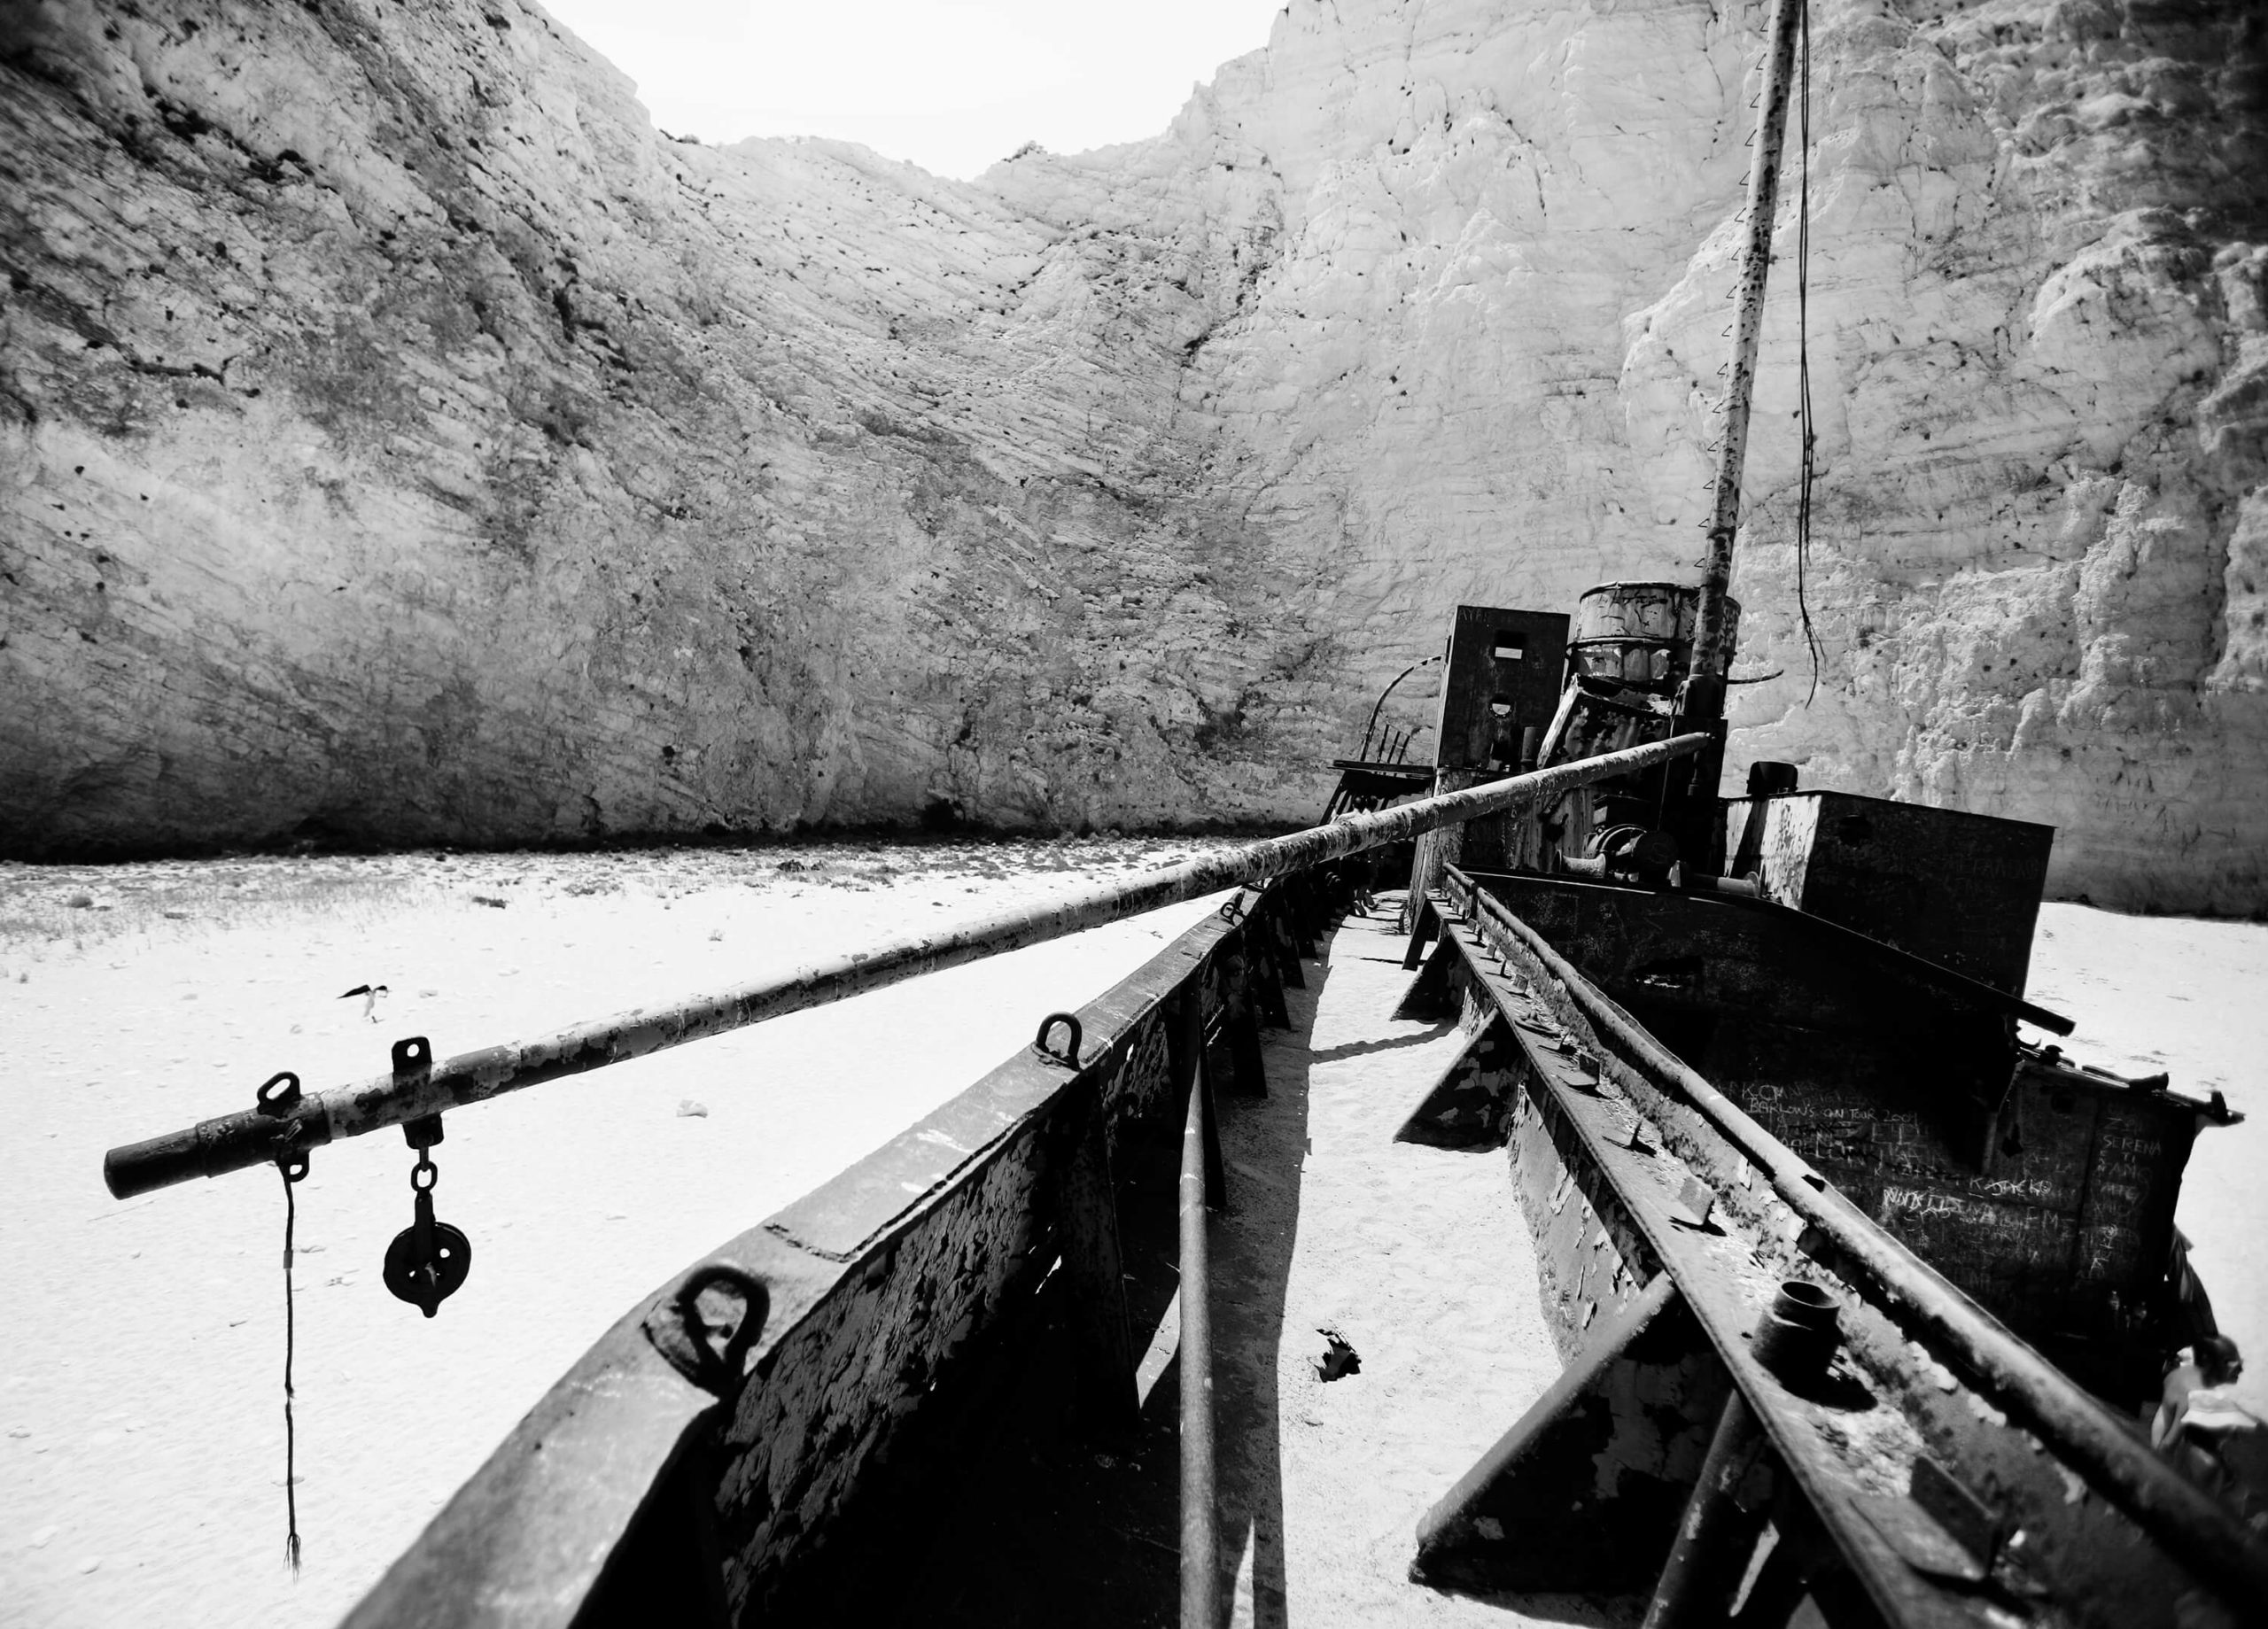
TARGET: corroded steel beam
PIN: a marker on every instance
(254, 1136)
(2190, 1524)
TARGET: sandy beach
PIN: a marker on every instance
(140, 1388)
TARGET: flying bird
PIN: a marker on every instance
(369, 993)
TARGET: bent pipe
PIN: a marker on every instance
(2191, 1525)
(250, 1137)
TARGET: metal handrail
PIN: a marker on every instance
(287, 1129)
(1364, 750)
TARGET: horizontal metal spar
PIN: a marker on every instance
(256, 1137)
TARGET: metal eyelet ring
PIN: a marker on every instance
(680, 1333)
(1069, 1055)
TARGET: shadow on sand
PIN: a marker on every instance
(1264, 1142)
(1050, 1526)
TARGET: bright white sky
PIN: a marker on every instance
(951, 85)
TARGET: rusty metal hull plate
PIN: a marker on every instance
(2046, 1192)
(1898, 1396)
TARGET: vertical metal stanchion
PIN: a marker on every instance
(1199, 1558)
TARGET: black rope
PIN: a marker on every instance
(291, 1435)
(1803, 370)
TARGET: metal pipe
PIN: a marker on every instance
(1201, 1570)
(1715, 1536)
(2193, 1526)
(253, 1137)
(1710, 658)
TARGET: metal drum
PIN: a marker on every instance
(1640, 634)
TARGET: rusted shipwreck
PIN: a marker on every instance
(923, 1391)
(1857, 1293)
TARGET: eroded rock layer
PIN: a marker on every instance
(400, 440)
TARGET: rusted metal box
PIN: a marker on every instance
(1504, 674)
(2068, 1230)
(1958, 889)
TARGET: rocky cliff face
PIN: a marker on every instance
(400, 440)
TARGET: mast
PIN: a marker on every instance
(1703, 694)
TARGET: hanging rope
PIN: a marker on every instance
(1803, 364)
(292, 1171)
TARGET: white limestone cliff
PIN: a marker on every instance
(400, 440)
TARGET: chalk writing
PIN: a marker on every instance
(2009, 1222)
(2133, 1147)
(2013, 1187)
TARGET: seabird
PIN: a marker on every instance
(369, 993)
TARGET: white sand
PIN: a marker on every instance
(141, 1471)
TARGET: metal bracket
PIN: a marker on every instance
(413, 1059)
(1939, 1528)
(277, 1097)
(270, 1101)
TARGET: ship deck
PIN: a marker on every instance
(1416, 1256)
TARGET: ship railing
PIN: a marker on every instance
(1002, 1257)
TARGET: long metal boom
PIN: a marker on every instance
(255, 1136)
(1710, 657)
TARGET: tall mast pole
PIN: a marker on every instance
(1704, 690)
